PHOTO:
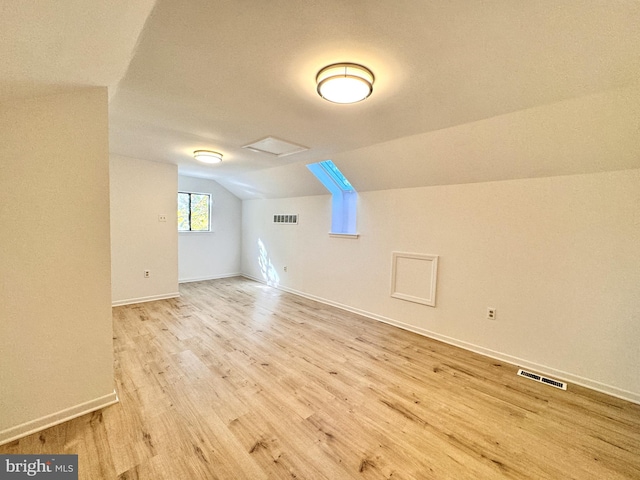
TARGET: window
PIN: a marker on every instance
(343, 197)
(194, 212)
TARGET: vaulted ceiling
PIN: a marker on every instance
(465, 90)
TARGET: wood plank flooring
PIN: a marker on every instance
(235, 380)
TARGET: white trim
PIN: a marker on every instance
(151, 298)
(430, 300)
(344, 235)
(215, 277)
(516, 361)
(42, 423)
(259, 280)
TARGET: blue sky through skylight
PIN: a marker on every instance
(344, 196)
(337, 176)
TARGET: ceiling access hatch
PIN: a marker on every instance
(275, 146)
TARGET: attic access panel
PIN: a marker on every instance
(414, 277)
(275, 146)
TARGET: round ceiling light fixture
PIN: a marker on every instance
(207, 156)
(345, 82)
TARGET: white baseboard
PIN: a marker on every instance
(151, 298)
(543, 369)
(255, 279)
(215, 277)
(33, 426)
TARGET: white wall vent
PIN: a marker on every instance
(541, 379)
(286, 219)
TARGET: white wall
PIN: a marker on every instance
(558, 257)
(140, 192)
(215, 254)
(56, 354)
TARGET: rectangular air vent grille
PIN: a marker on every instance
(285, 219)
(540, 378)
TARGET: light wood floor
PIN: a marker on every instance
(236, 380)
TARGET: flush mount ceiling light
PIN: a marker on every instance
(345, 82)
(207, 156)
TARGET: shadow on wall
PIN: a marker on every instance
(266, 268)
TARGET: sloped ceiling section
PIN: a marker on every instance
(49, 46)
(594, 133)
(465, 90)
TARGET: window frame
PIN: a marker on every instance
(209, 211)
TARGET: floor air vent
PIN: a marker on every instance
(541, 379)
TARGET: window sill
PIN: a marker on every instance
(353, 236)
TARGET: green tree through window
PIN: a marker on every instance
(194, 212)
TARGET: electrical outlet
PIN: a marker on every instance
(285, 268)
(162, 218)
(147, 274)
(491, 313)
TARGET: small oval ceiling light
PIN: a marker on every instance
(345, 82)
(207, 156)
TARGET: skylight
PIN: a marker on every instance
(337, 176)
(343, 196)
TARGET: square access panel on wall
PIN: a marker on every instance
(413, 277)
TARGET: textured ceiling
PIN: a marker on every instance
(465, 90)
(49, 46)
